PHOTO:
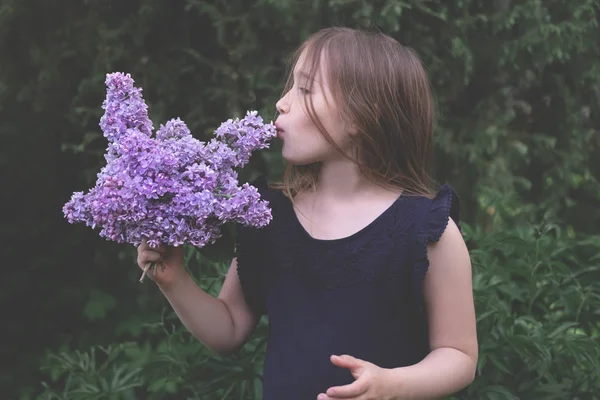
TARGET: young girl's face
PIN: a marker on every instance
(303, 143)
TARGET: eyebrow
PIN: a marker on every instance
(306, 75)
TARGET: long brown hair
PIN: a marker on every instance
(382, 89)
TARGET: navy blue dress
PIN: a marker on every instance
(360, 295)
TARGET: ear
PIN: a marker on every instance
(353, 130)
(350, 127)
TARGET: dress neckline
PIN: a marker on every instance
(376, 221)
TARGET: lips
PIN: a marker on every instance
(279, 130)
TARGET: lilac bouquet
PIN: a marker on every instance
(171, 189)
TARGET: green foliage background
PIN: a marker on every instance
(518, 91)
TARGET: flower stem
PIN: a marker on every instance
(150, 264)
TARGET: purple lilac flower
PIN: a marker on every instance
(171, 189)
(245, 136)
(125, 108)
(173, 129)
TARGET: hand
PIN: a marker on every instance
(168, 260)
(371, 381)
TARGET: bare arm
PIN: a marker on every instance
(223, 323)
(451, 364)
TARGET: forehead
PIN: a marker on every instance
(304, 64)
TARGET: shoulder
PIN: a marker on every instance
(450, 249)
(442, 234)
(439, 213)
(438, 237)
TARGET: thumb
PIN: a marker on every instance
(346, 361)
(173, 252)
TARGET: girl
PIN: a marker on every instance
(363, 271)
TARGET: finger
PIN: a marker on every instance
(149, 271)
(146, 256)
(346, 361)
(143, 245)
(151, 255)
(162, 249)
(351, 391)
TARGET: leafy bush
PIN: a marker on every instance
(163, 360)
(537, 300)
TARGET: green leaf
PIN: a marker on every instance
(98, 305)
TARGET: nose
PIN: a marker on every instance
(283, 105)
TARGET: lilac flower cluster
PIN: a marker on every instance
(171, 189)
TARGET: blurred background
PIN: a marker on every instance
(518, 90)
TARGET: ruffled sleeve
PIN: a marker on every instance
(435, 217)
(251, 255)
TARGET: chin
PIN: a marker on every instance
(297, 161)
(294, 161)
(307, 156)
(289, 156)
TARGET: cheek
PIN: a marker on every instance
(304, 144)
(306, 147)
(332, 123)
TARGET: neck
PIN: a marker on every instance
(341, 178)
